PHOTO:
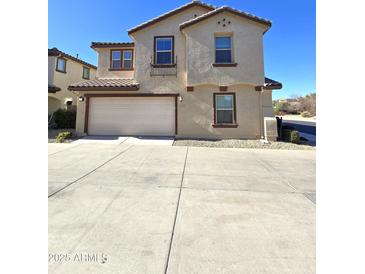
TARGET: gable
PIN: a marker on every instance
(227, 10)
(170, 14)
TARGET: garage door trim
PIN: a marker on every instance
(88, 96)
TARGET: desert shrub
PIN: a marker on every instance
(290, 135)
(294, 137)
(65, 118)
(305, 114)
(277, 111)
(296, 105)
(308, 103)
(280, 107)
(285, 134)
(61, 136)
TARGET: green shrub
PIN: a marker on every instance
(280, 106)
(305, 114)
(285, 135)
(65, 118)
(61, 136)
(290, 135)
(294, 137)
(277, 111)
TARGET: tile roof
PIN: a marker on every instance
(227, 9)
(272, 84)
(106, 84)
(171, 13)
(95, 45)
(53, 88)
(57, 52)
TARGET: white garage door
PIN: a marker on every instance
(142, 116)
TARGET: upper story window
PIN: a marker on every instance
(85, 73)
(164, 50)
(127, 59)
(224, 109)
(223, 49)
(61, 64)
(116, 59)
(121, 59)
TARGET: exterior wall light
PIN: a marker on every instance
(180, 98)
(81, 99)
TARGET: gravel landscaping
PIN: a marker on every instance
(235, 143)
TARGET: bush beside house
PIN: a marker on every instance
(65, 118)
(62, 136)
(290, 135)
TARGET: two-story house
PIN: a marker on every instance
(196, 71)
(63, 70)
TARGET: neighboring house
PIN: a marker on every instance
(196, 71)
(63, 70)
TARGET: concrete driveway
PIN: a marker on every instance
(127, 208)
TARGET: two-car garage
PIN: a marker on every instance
(131, 115)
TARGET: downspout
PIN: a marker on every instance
(261, 90)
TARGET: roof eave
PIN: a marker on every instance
(136, 87)
(53, 89)
(96, 45)
(267, 23)
(169, 14)
(274, 86)
(57, 53)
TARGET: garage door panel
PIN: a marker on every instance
(132, 116)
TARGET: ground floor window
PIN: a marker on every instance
(224, 108)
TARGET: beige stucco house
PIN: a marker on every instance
(196, 71)
(63, 70)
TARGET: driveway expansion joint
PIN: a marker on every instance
(269, 168)
(241, 190)
(177, 211)
(88, 173)
(66, 149)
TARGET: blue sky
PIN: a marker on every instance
(289, 46)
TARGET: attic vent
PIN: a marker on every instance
(224, 23)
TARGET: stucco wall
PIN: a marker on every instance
(104, 65)
(267, 104)
(51, 68)
(53, 104)
(196, 113)
(247, 51)
(80, 118)
(63, 80)
(144, 51)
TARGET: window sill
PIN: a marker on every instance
(225, 125)
(163, 65)
(85, 78)
(224, 64)
(120, 69)
(62, 71)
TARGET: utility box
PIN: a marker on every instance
(270, 128)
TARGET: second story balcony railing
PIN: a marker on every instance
(163, 69)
